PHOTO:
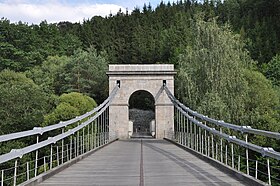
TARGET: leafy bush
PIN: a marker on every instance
(70, 105)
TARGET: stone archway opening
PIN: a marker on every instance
(142, 114)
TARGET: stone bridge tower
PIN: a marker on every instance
(132, 78)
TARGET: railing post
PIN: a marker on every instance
(238, 163)
(45, 168)
(203, 143)
(256, 175)
(195, 138)
(103, 127)
(205, 140)
(184, 121)
(177, 126)
(182, 128)
(81, 144)
(62, 148)
(216, 157)
(232, 156)
(92, 136)
(77, 141)
(88, 139)
(95, 133)
(268, 172)
(51, 157)
(71, 143)
(36, 158)
(83, 141)
(226, 156)
(57, 155)
(208, 139)
(2, 177)
(106, 124)
(67, 153)
(27, 171)
(191, 135)
(188, 132)
(200, 140)
(75, 147)
(15, 173)
(212, 142)
(221, 146)
(247, 155)
(98, 131)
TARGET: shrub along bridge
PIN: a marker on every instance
(189, 149)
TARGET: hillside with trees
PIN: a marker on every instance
(227, 54)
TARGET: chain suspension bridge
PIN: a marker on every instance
(93, 149)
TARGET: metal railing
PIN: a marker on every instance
(88, 132)
(62, 124)
(193, 130)
(243, 129)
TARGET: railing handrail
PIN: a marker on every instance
(265, 151)
(243, 129)
(18, 153)
(41, 130)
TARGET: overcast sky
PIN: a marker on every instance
(53, 11)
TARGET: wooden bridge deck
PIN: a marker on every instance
(158, 162)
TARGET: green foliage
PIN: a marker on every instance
(261, 102)
(48, 74)
(7, 146)
(24, 47)
(19, 49)
(79, 101)
(215, 71)
(215, 77)
(23, 103)
(70, 105)
(210, 76)
(137, 38)
(86, 73)
(272, 70)
(259, 22)
(62, 112)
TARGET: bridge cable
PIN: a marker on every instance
(265, 151)
(18, 153)
(243, 129)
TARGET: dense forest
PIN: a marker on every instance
(227, 54)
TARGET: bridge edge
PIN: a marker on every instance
(228, 170)
(44, 176)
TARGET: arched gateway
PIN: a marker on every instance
(132, 78)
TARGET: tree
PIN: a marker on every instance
(23, 103)
(47, 74)
(262, 102)
(210, 77)
(86, 73)
(272, 70)
(217, 77)
(70, 105)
